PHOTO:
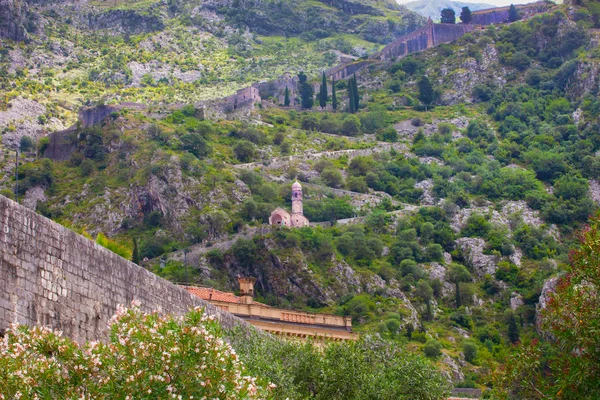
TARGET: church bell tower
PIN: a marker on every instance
(297, 199)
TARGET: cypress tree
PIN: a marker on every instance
(306, 91)
(352, 104)
(135, 254)
(286, 98)
(465, 15)
(513, 14)
(356, 96)
(323, 94)
(425, 91)
(333, 95)
(513, 329)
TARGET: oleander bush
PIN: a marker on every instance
(148, 356)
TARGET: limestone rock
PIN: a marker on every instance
(472, 250)
(32, 196)
(516, 301)
(549, 286)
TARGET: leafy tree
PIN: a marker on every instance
(195, 144)
(570, 355)
(286, 97)
(244, 151)
(513, 14)
(26, 144)
(458, 274)
(448, 16)
(465, 15)
(432, 349)
(332, 177)
(351, 125)
(306, 91)
(426, 94)
(370, 368)
(323, 93)
(469, 350)
(424, 292)
(334, 103)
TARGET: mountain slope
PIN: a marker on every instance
(432, 9)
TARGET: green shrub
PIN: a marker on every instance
(432, 349)
(469, 349)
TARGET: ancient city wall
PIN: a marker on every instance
(345, 70)
(51, 276)
(444, 33)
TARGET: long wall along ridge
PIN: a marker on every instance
(51, 276)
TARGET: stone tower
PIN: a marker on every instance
(297, 199)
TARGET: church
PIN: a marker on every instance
(295, 220)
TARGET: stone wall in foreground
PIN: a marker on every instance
(51, 276)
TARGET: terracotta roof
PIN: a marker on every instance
(212, 294)
(209, 294)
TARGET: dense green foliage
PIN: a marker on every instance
(370, 368)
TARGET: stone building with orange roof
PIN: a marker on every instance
(296, 219)
(294, 324)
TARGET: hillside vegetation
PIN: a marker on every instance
(443, 220)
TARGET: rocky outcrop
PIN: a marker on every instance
(547, 289)
(12, 20)
(129, 21)
(32, 196)
(472, 252)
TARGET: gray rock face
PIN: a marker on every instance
(12, 19)
(32, 196)
(472, 250)
(547, 289)
(516, 301)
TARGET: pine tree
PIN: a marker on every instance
(286, 97)
(135, 254)
(465, 15)
(426, 94)
(333, 95)
(323, 94)
(513, 14)
(448, 16)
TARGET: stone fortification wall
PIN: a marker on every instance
(51, 276)
(416, 41)
(499, 15)
(60, 148)
(444, 33)
(345, 70)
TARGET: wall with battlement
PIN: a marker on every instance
(51, 276)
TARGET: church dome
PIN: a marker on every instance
(296, 186)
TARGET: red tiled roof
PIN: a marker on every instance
(212, 294)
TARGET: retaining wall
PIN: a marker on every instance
(51, 276)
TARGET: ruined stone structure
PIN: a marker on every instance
(276, 88)
(51, 276)
(499, 15)
(345, 70)
(275, 320)
(294, 220)
(424, 38)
